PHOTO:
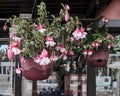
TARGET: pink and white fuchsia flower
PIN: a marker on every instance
(13, 50)
(104, 19)
(15, 38)
(71, 52)
(10, 54)
(40, 27)
(58, 47)
(95, 44)
(53, 57)
(5, 27)
(49, 41)
(66, 16)
(43, 58)
(67, 7)
(18, 70)
(87, 52)
(79, 33)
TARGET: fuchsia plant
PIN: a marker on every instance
(48, 41)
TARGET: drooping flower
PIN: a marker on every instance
(85, 52)
(90, 52)
(22, 59)
(53, 57)
(71, 52)
(58, 47)
(67, 7)
(70, 39)
(16, 50)
(5, 27)
(45, 61)
(110, 37)
(18, 70)
(10, 54)
(110, 45)
(66, 16)
(105, 19)
(63, 49)
(43, 58)
(44, 53)
(17, 39)
(15, 44)
(79, 33)
(64, 57)
(49, 41)
(40, 28)
(95, 44)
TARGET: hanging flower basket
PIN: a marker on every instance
(99, 58)
(46, 41)
(34, 71)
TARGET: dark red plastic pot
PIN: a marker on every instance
(98, 58)
(34, 71)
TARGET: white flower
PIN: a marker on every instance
(64, 57)
(79, 33)
(90, 52)
(45, 61)
(50, 43)
(42, 30)
(18, 71)
(16, 50)
(53, 57)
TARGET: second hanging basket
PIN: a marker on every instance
(99, 58)
(34, 71)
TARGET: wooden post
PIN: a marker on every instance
(91, 80)
(34, 88)
(18, 79)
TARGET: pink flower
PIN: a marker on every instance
(40, 28)
(63, 49)
(16, 50)
(85, 52)
(10, 54)
(71, 52)
(110, 45)
(64, 57)
(15, 44)
(50, 41)
(17, 39)
(110, 37)
(5, 27)
(67, 6)
(45, 61)
(90, 52)
(66, 17)
(53, 57)
(43, 58)
(22, 59)
(79, 33)
(69, 39)
(95, 44)
(105, 19)
(18, 70)
(58, 47)
(44, 53)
